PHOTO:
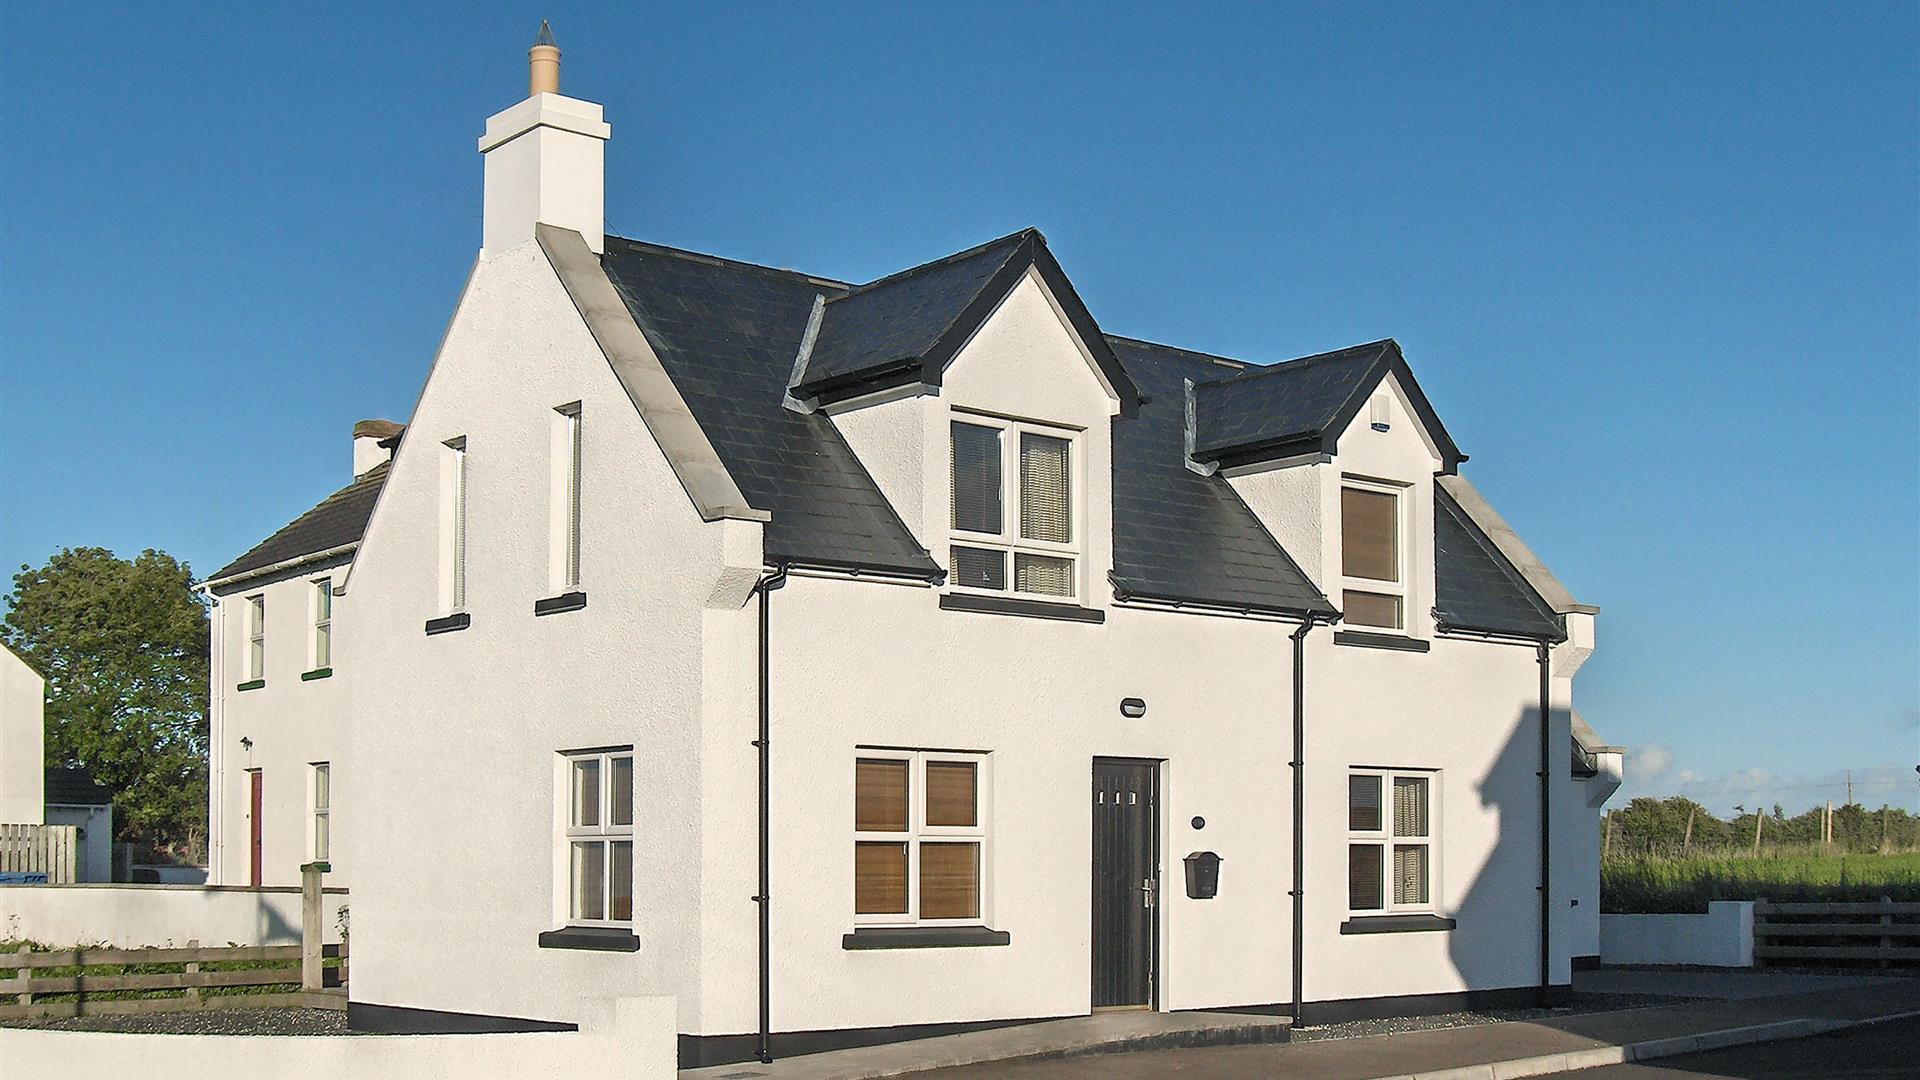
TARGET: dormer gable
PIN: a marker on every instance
(1302, 408)
(905, 330)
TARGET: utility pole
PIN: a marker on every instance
(1686, 843)
(1826, 826)
(1849, 787)
(1759, 821)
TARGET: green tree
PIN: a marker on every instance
(123, 647)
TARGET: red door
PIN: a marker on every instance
(253, 824)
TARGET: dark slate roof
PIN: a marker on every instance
(1302, 406)
(340, 519)
(728, 334)
(1475, 588)
(75, 787)
(898, 319)
(1178, 535)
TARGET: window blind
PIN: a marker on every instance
(1046, 494)
(950, 793)
(1042, 574)
(1363, 877)
(1370, 609)
(978, 568)
(879, 795)
(1363, 803)
(1410, 874)
(976, 478)
(1409, 806)
(949, 881)
(1369, 534)
(879, 878)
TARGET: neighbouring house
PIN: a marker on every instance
(75, 798)
(277, 721)
(22, 741)
(861, 661)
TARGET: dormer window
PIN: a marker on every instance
(1372, 555)
(1017, 538)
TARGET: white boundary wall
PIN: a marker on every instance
(141, 916)
(631, 1038)
(1723, 937)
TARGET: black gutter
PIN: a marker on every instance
(764, 587)
(1299, 764)
(1545, 657)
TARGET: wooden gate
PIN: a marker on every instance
(52, 850)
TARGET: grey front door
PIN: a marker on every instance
(1125, 882)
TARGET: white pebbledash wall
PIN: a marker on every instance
(291, 723)
(22, 757)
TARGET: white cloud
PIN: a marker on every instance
(1648, 763)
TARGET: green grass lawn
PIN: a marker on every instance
(1649, 885)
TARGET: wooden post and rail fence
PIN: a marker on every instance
(67, 982)
(1886, 933)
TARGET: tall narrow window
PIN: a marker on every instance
(323, 624)
(1032, 527)
(599, 826)
(256, 637)
(1390, 835)
(1372, 558)
(920, 836)
(565, 548)
(322, 811)
(453, 525)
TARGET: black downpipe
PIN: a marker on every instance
(765, 587)
(1299, 764)
(1544, 654)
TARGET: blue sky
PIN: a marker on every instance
(1658, 266)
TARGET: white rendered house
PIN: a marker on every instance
(22, 741)
(855, 662)
(277, 719)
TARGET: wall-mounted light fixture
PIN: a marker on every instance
(246, 743)
(1133, 708)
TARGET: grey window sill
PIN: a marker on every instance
(446, 624)
(922, 937)
(1394, 924)
(591, 938)
(251, 684)
(553, 605)
(1032, 609)
(1396, 642)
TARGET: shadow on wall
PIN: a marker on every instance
(1496, 940)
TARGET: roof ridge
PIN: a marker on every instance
(1216, 357)
(944, 260)
(1299, 362)
(721, 260)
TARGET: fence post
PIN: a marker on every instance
(1886, 943)
(193, 968)
(312, 928)
(25, 973)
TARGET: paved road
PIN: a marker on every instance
(1875, 1052)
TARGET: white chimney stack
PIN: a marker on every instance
(545, 160)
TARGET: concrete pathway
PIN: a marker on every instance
(1727, 983)
(1102, 1033)
(1067, 1049)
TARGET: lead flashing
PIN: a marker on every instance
(691, 455)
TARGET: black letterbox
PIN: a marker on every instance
(1203, 875)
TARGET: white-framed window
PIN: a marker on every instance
(1373, 554)
(564, 548)
(598, 818)
(256, 637)
(453, 525)
(320, 832)
(1392, 822)
(323, 624)
(920, 837)
(1014, 526)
